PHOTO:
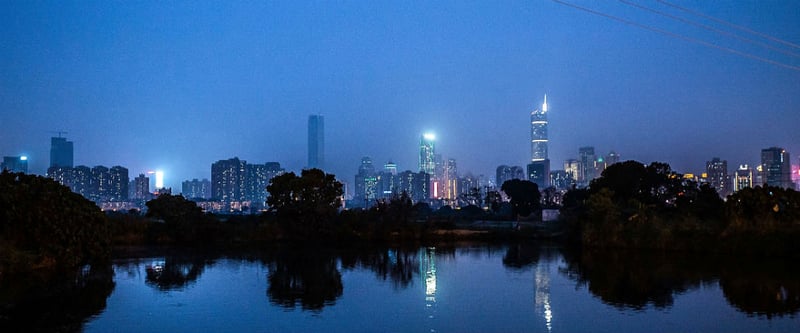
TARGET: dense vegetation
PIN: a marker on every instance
(45, 225)
(636, 206)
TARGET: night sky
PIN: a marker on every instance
(178, 85)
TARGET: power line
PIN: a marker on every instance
(742, 28)
(674, 35)
(710, 28)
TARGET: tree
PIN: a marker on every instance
(182, 217)
(43, 223)
(310, 200)
(525, 196)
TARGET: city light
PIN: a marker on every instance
(23, 158)
(159, 179)
(429, 136)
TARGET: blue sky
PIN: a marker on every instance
(178, 85)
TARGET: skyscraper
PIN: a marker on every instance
(539, 133)
(366, 184)
(776, 168)
(316, 141)
(539, 168)
(717, 173)
(61, 152)
(586, 165)
(427, 155)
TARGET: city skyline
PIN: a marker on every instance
(176, 86)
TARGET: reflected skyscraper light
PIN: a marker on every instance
(542, 295)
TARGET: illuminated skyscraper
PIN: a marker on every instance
(61, 152)
(539, 133)
(316, 142)
(539, 168)
(717, 173)
(427, 155)
(776, 168)
(366, 184)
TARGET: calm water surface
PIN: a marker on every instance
(512, 288)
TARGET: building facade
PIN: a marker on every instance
(15, 164)
(776, 168)
(427, 154)
(61, 152)
(717, 175)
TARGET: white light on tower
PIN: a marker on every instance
(429, 136)
(159, 179)
(544, 105)
(23, 158)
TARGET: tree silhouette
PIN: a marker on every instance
(525, 196)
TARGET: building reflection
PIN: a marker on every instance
(427, 265)
(542, 294)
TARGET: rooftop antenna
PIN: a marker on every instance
(59, 132)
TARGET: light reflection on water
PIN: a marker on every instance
(466, 289)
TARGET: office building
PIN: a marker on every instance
(505, 173)
(316, 142)
(539, 173)
(366, 184)
(427, 154)
(743, 178)
(586, 166)
(15, 164)
(776, 168)
(61, 152)
(539, 133)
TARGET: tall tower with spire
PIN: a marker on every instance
(539, 168)
(539, 133)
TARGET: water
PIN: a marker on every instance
(477, 288)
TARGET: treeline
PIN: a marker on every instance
(45, 225)
(653, 207)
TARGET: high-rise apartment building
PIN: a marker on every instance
(316, 142)
(238, 184)
(776, 167)
(717, 175)
(118, 184)
(141, 187)
(196, 189)
(228, 180)
(427, 154)
(61, 152)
